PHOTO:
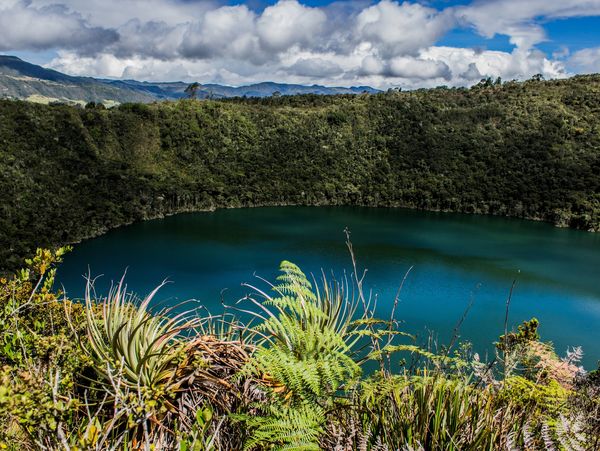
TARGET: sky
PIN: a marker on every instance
(379, 43)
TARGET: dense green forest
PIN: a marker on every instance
(529, 149)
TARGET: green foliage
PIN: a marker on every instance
(127, 340)
(135, 354)
(199, 438)
(524, 393)
(520, 149)
(39, 356)
(157, 367)
(431, 412)
(527, 332)
(585, 400)
(284, 427)
(33, 320)
(112, 374)
(306, 352)
(305, 358)
(89, 376)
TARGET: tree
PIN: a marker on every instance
(192, 90)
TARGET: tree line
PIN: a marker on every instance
(529, 149)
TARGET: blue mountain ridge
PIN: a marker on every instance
(22, 80)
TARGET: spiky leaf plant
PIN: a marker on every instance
(127, 341)
(428, 411)
(159, 369)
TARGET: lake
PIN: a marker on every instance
(456, 259)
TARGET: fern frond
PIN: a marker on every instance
(286, 428)
(546, 434)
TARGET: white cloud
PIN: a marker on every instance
(585, 60)
(103, 65)
(399, 29)
(371, 65)
(472, 73)
(432, 67)
(151, 38)
(357, 42)
(24, 27)
(419, 68)
(315, 67)
(224, 31)
(515, 65)
(289, 23)
(517, 18)
(115, 13)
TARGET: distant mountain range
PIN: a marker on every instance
(22, 80)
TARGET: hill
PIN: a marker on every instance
(175, 90)
(22, 80)
(529, 150)
(26, 81)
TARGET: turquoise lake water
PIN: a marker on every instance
(456, 259)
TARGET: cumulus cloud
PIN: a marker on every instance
(466, 64)
(399, 29)
(472, 73)
(153, 38)
(357, 42)
(115, 13)
(226, 31)
(585, 60)
(418, 68)
(25, 27)
(371, 65)
(102, 65)
(289, 23)
(315, 67)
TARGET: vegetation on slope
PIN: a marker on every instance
(111, 373)
(22, 80)
(527, 149)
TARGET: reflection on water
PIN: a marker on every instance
(456, 259)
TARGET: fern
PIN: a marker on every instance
(306, 346)
(286, 428)
(294, 282)
(304, 357)
(547, 437)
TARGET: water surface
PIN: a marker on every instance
(456, 259)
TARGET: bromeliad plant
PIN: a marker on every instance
(160, 368)
(139, 347)
(124, 376)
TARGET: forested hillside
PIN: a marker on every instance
(527, 149)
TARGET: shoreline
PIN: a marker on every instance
(291, 204)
